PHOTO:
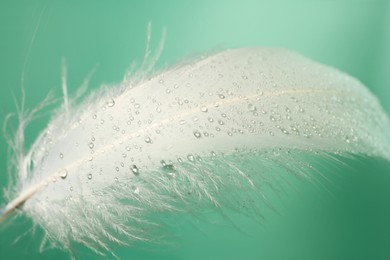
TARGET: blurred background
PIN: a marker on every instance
(351, 35)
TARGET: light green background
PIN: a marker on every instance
(351, 35)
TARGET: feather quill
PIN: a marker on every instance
(199, 135)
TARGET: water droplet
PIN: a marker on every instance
(124, 155)
(136, 190)
(204, 109)
(117, 169)
(221, 122)
(90, 158)
(163, 163)
(94, 116)
(91, 145)
(71, 188)
(294, 129)
(89, 176)
(111, 103)
(182, 122)
(197, 134)
(61, 155)
(168, 167)
(134, 169)
(190, 157)
(137, 105)
(210, 119)
(252, 108)
(272, 118)
(116, 179)
(148, 140)
(221, 96)
(63, 174)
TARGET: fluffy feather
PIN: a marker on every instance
(196, 136)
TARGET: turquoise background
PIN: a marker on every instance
(351, 35)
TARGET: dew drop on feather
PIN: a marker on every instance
(163, 163)
(190, 157)
(135, 169)
(148, 140)
(204, 109)
(136, 190)
(197, 134)
(111, 103)
(63, 174)
(252, 108)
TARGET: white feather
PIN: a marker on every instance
(202, 134)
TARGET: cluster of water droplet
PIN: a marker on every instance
(218, 107)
